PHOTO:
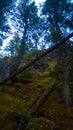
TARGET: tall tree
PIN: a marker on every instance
(57, 13)
(13, 46)
(5, 7)
(27, 19)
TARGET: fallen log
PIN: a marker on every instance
(41, 100)
(36, 106)
(38, 58)
(53, 126)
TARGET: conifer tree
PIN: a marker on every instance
(58, 18)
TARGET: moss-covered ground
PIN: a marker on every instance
(16, 100)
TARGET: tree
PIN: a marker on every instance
(5, 7)
(13, 46)
(57, 13)
(27, 19)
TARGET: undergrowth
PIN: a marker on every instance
(18, 98)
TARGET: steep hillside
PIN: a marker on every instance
(19, 99)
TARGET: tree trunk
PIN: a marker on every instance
(16, 64)
(66, 90)
(38, 104)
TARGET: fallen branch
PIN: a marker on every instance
(36, 106)
(52, 124)
(39, 57)
(41, 100)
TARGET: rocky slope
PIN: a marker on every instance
(17, 99)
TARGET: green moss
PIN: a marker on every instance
(8, 89)
(40, 85)
(28, 73)
(33, 124)
(9, 103)
(52, 65)
(18, 97)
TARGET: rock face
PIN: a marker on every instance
(42, 65)
(8, 66)
(5, 66)
(5, 73)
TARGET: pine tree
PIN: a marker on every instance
(57, 13)
(27, 19)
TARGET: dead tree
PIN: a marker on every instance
(38, 58)
(36, 106)
(41, 100)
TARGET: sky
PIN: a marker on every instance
(39, 1)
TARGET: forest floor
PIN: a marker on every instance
(18, 98)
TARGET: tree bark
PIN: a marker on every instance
(63, 54)
(66, 90)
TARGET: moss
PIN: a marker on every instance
(52, 65)
(28, 73)
(18, 98)
(8, 89)
(10, 104)
(41, 85)
(33, 124)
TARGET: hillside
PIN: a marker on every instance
(36, 65)
(19, 99)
